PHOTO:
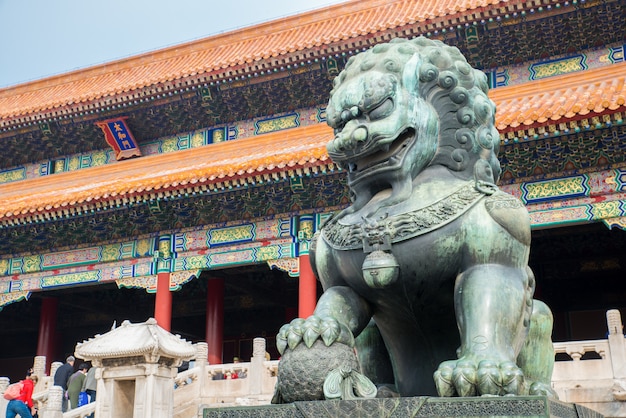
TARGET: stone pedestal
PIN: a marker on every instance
(515, 406)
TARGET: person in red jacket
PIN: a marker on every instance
(23, 405)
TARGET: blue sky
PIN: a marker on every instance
(40, 38)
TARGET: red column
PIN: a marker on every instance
(47, 330)
(215, 320)
(307, 290)
(163, 303)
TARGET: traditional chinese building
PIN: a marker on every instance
(186, 183)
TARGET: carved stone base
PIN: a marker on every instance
(514, 406)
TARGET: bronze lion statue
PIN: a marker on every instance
(427, 288)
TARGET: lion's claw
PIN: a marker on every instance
(310, 336)
(443, 379)
(512, 378)
(310, 330)
(295, 333)
(464, 378)
(487, 378)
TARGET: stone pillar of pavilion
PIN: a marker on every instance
(307, 290)
(163, 300)
(136, 367)
(46, 342)
(215, 319)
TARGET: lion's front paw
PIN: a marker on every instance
(543, 389)
(465, 377)
(310, 330)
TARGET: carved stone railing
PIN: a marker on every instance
(597, 366)
(81, 412)
(593, 372)
(209, 385)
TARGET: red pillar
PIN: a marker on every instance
(307, 290)
(163, 303)
(47, 330)
(215, 320)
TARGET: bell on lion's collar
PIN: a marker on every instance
(380, 269)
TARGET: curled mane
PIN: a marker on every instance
(440, 76)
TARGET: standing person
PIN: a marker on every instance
(89, 385)
(241, 374)
(75, 384)
(23, 405)
(61, 377)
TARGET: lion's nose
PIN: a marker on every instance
(360, 134)
(349, 114)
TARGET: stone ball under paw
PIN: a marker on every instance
(302, 371)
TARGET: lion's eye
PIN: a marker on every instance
(337, 125)
(383, 110)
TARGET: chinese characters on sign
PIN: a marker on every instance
(119, 137)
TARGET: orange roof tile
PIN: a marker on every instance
(263, 155)
(244, 47)
(557, 99)
(544, 102)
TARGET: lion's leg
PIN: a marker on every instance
(346, 306)
(490, 308)
(374, 359)
(492, 304)
(340, 314)
(536, 358)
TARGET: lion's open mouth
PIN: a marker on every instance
(388, 155)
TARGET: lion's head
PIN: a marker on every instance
(407, 105)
